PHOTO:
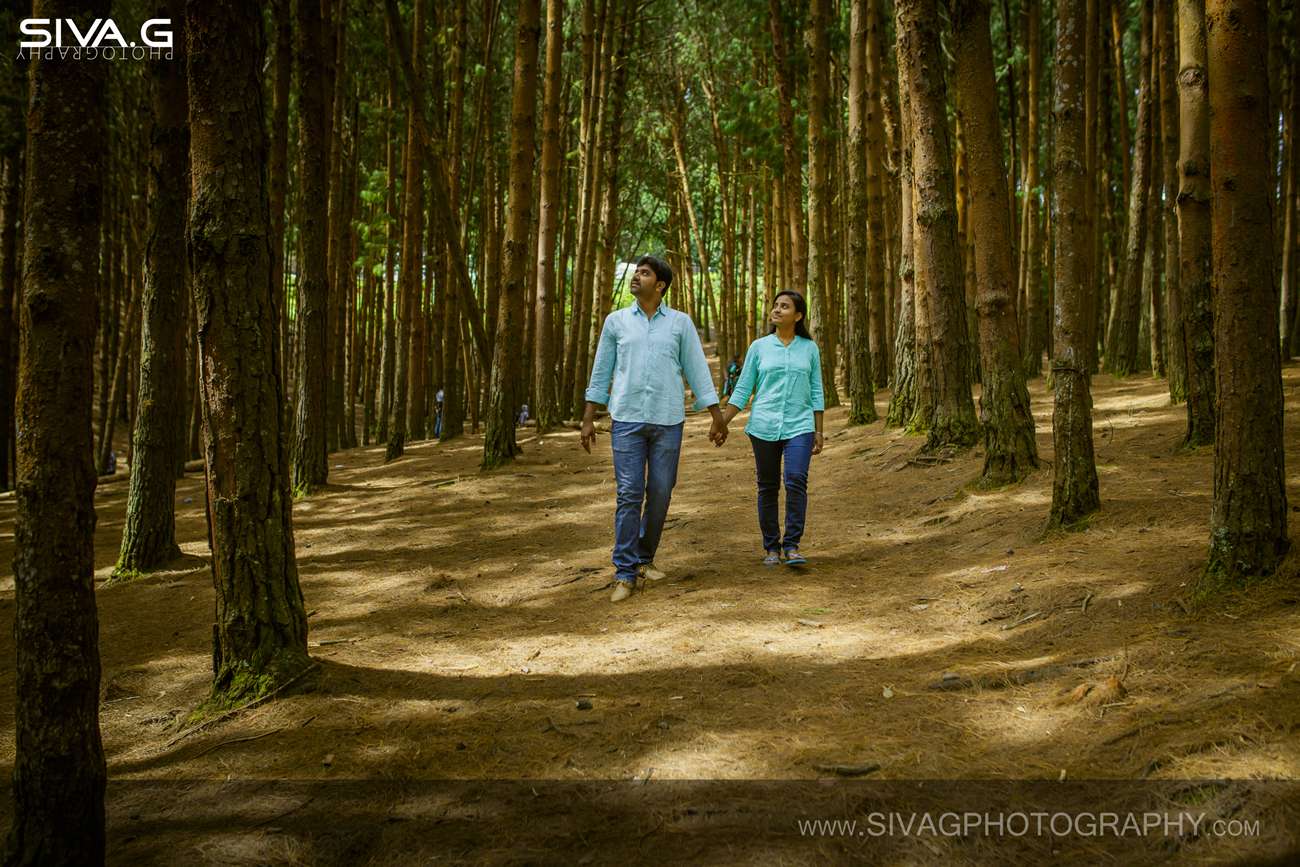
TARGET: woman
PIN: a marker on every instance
(783, 373)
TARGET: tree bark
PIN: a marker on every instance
(59, 771)
(952, 421)
(408, 277)
(499, 445)
(903, 401)
(278, 169)
(546, 385)
(822, 300)
(1174, 354)
(1074, 482)
(1122, 332)
(1030, 252)
(792, 179)
(876, 145)
(117, 387)
(1248, 515)
(1290, 292)
(1194, 226)
(10, 205)
(149, 534)
(862, 407)
(13, 102)
(310, 458)
(1005, 418)
(260, 635)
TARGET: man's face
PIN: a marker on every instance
(646, 284)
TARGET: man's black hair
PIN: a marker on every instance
(660, 267)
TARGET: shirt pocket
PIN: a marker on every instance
(661, 348)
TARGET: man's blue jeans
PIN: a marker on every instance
(797, 452)
(645, 471)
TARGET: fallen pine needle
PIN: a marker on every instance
(207, 750)
(1025, 619)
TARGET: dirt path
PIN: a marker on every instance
(459, 618)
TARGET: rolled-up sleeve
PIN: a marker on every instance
(818, 395)
(748, 377)
(602, 369)
(696, 366)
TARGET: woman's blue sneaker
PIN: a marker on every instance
(794, 558)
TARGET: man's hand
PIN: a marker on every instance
(718, 432)
(588, 436)
(817, 443)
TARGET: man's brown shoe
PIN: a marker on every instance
(622, 590)
(650, 573)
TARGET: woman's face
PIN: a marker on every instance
(784, 312)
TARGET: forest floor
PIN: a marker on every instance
(459, 619)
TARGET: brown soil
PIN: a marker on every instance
(458, 619)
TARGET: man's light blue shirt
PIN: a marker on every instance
(786, 384)
(640, 362)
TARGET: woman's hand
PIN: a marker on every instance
(817, 443)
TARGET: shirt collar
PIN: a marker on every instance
(661, 311)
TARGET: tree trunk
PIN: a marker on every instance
(13, 102)
(1030, 252)
(1122, 332)
(10, 203)
(903, 401)
(387, 367)
(606, 238)
(149, 534)
(938, 258)
(408, 277)
(876, 303)
(117, 388)
(1006, 421)
(862, 407)
(821, 291)
(546, 386)
(334, 44)
(499, 445)
(310, 459)
(278, 168)
(1194, 226)
(1248, 516)
(1174, 355)
(260, 637)
(59, 772)
(1290, 292)
(413, 268)
(792, 181)
(1122, 90)
(1074, 483)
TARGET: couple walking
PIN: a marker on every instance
(644, 351)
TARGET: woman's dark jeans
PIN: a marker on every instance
(797, 452)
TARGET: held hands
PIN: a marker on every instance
(588, 436)
(718, 432)
(817, 443)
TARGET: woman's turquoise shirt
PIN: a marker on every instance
(786, 384)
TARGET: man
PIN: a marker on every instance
(437, 418)
(733, 374)
(644, 350)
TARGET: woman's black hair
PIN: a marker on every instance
(800, 306)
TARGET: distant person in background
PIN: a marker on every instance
(733, 373)
(644, 349)
(783, 373)
(523, 415)
(437, 418)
